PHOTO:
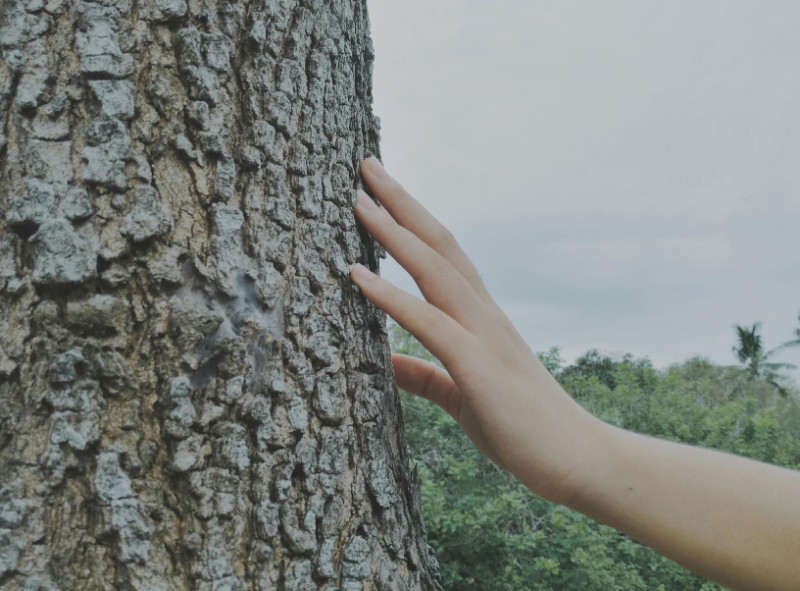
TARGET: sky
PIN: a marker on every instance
(625, 175)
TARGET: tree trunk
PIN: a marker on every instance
(193, 395)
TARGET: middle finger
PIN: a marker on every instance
(440, 283)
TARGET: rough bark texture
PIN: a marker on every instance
(192, 394)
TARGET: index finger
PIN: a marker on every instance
(439, 333)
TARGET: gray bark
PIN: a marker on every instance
(192, 394)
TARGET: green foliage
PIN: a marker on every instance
(750, 352)
(795, 341)
(552, 361)
(491, 534)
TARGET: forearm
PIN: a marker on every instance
(730, 519)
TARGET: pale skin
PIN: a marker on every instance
(727, 518)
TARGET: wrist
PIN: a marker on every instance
(596, 468)
(591, 464)
(569, 453)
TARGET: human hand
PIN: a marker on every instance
(727, 518)
(492, 383)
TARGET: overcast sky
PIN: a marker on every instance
(625, 174)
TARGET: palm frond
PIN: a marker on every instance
(778, 365)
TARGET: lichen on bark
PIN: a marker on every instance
(194, 395)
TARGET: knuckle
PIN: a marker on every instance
(434, 320)
(440, 267)
(385, 221)
(429, 382)
(493, 313)
(443, 238)
(386, 293)
(432, 272)
(380, 224)
(497, 317)
(396, 188)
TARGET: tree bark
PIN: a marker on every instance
(193, 395)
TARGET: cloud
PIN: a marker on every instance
(668, 290)
(624, 173)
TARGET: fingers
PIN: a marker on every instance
(439, 333)
(409, 213)
(429, 381)
(440, 283)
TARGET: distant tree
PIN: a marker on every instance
(594, 364)
(795, 342)
(604, 367)
(552, 360)
(749, 350)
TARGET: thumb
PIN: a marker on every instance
(428, 381)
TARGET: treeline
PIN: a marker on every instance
(491, 534)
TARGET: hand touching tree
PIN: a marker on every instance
(732, 520)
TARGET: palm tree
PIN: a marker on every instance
(750, 351)
(795, 342)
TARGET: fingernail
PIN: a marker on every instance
(360, 274)
(375, 168)
(365, 200)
